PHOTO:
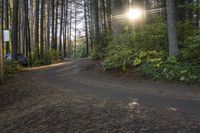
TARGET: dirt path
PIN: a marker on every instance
(68, 97)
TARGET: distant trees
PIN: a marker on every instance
(35, 26)
(99, 20)
(52, 24)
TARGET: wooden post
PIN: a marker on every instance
(1, 51)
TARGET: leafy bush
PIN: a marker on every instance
(49, 57)
(152, 36)
(171, 69)
(149, 63)
(139, 50)
(185, 30)
(81, 51)
(189, 42)
(152, 64)
(119, 57)
(11, 67)
(98, 54)
(191, 52)
(127, 40)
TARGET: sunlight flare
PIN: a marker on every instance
(134, 14)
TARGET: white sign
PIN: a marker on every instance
(6, 36)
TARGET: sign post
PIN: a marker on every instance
(1, 51)
(6, 37)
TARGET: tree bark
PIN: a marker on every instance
(61, 27)
(86, 28)
(1, 49)
(96, 8)
(52, 23)
(37, 28)
(56, 27)
(42, 29)
(14, 33)
(48, 26)
(171, 24)
(7, 25)
(65, 29)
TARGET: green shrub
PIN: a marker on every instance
(189, 42)
(152, 36)
(81, 51)
(127, 39)
(11, 67)
(139, 50)
(49, 57)
(191, 51)
(97, 54)
(171, 69)
(185, 30)
(119, 57)
(152, 64)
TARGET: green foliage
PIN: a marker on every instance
(98, 54)
(191, 51)
(152, 64)
(191, 6)
(81, 51)
(152, 36)
(146, 51)
(186, 29)
(189, 42)
(49, 57)
(170, 69)
(127, 39)
(119, 57)
(11, 67)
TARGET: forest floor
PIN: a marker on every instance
(74, 97)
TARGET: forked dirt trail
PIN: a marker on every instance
(71, 97)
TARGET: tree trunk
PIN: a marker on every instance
(70, 34)
(48, 26)
(86, 28)
(37, 27)
(61, 26)
(75, 28)
(56, 26)
(42, 29)
(96, 8)
(2, 24)
(1, 48)
(14, 33)
(52, 24)
(198, 13)
(65, 29)
(171, 24)
(7, 25)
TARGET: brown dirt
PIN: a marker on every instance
(31, 102)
